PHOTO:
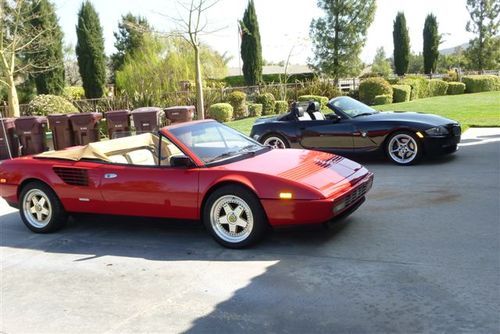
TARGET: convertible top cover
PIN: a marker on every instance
(103, 150)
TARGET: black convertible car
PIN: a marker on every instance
(354, 127)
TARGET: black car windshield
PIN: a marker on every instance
(214, 142)
(351, 107)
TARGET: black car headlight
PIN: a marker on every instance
(437, 131)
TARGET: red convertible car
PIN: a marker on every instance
(197, 170)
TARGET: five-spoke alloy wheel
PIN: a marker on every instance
(41, 210)
(404, 148)
(234, 216)
(275, 141)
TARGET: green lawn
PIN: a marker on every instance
(480, 109)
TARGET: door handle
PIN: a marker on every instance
(110, 176)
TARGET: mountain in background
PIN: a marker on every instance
(451, 50)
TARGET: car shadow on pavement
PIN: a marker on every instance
(378, 159)
(150, 238)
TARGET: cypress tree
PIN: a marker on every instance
(51, 79)
(431, 44)
(251, 49)
(90, 51)
(401, 44)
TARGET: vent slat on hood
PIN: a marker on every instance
(73, 176)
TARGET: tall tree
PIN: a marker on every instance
(18, 39)
(129, 38)
(339, 36)
(484, 50)
(44, 19)
(191, 25)
(90, 51)
(380, 64)
(432, 39)
(251, 49)
(401, 44)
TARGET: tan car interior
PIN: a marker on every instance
(134, 150)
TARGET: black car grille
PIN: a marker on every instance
(73, 176)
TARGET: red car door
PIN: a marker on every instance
(152, 191)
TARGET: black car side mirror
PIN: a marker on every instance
(334, 117)
(180, 161)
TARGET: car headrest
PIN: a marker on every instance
(297, 111)
(313, 106)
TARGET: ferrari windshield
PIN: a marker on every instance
(214, 142)
(351, 107)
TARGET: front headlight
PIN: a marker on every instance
(437, 131)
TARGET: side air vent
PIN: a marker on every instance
(73, 176)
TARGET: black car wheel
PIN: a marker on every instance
(40, 209)
(234, 217)
(404, 148)
(275, 141)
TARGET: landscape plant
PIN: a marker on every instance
(371, 87)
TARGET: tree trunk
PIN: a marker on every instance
(13, 110)
(199, 86)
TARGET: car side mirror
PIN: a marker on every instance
(180, 161)
(334, 117)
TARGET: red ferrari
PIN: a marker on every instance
(197, 170)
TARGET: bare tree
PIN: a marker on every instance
(18, 40)
(191, 25)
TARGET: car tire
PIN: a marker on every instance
(404, 148)
(275, 140)
(234, 217)
(40, 208)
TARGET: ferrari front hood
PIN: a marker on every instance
(320, 170)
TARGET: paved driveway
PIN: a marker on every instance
(421, 255)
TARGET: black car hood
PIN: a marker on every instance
(414, 117)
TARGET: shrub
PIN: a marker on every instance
(322, 100)
(255, 109)
(401, 93)
(222, 112)
(419, 87)
(73, 93)
(319, 88)
(267, 100)
(455, 88)
(481, 83)
(451, 75)
(43, 105)
(281, 107)
(437, 87)
(382, 99)
(238, 101)
(372, 87)
(353, 93)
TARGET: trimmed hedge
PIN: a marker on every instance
(419, 87)
(43, 105)
(255, 109)
(322, 100)
(481, 83)
(267, 100)
(455, 88)
(222, 112)
(372, 87)
(382, 99)
(401, 93)
(280, 107)
(238, 101)
(437, 87)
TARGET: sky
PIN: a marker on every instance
(284, 24)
